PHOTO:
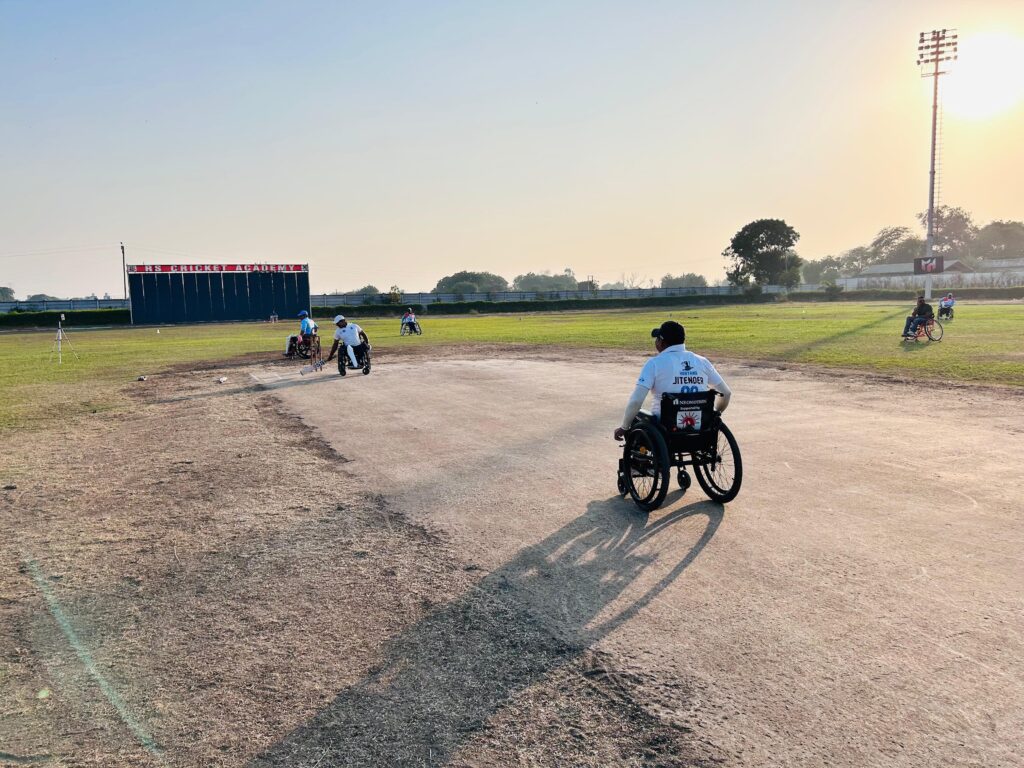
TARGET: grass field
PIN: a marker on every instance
(984, 345)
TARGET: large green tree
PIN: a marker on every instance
(482, 282)
(531, 281)
(1000, 240)
(763, 252)
(955, 232)
(6, 294)
(827, 268)
(684, 280)
(889, 247)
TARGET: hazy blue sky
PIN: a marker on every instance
(398, 142)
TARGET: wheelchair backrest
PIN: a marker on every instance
(688, 413)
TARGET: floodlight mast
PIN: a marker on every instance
(933, 48)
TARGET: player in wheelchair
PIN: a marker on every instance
(306, 342)
(409, 324)
(946, 307)
(683, 429)
(352, 346)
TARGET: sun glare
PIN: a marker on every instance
(988, 78)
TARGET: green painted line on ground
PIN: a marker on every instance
(85, 657)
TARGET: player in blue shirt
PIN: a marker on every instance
(306, 328)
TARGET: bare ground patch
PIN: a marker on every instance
(251, 602)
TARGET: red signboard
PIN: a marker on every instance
(145, 268)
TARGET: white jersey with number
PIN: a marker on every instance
(675, 369)
(349, 335)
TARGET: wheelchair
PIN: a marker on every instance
(688, 433)
(930, 329)
(308, 348)
(345, 365)
(410, 328)
(945, 313)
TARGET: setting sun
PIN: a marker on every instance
(988, 78)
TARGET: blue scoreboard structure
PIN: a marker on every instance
(204, 293)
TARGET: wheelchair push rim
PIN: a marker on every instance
(933, 330)
(720, 471)
(647, 468)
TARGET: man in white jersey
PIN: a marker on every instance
(352, 337)
(674, 369)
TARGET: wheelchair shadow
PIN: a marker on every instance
(884, 319)
(909, 347)
(444, 676)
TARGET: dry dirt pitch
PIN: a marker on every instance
(430, 566)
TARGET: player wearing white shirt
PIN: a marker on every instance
(352, 337)
(674, 369)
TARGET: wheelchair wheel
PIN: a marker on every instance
(419, 331)
(721, 475)
(342, 361)
(646, 459)
(366, 363)
(683, 478)
(302, 350)
(934, 330)
(315, 354)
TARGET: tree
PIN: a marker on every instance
(586, 285)
(42, 297)
(482, 282)
(464, 287)
(685, 280)
(999, 240)
(955, 231)
(395, 295)
(763, 252)
(369, 290)
(854, 261)
(823, 270)
(6, 294)
(887, 244)
(566, 281)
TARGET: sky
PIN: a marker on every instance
(394, 143)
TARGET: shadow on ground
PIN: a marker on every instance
(443, 677)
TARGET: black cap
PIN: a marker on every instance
(670, 332)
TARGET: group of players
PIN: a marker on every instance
(350, 337)
(923, 312)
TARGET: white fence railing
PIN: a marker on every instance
(60, 305)
(947, 280)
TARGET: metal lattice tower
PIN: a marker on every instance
(934, 50)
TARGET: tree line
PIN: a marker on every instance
(763, 251)
(956, 237)
(466, 282)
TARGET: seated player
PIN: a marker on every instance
(307, 329)
(922, 313)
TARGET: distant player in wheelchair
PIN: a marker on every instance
(409, 324)
(683, 428)
(946, 306)
(306, 342)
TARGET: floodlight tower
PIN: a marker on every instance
(934, 48)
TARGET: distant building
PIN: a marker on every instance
(907, 269)
(995, 273)
(1000, 266)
